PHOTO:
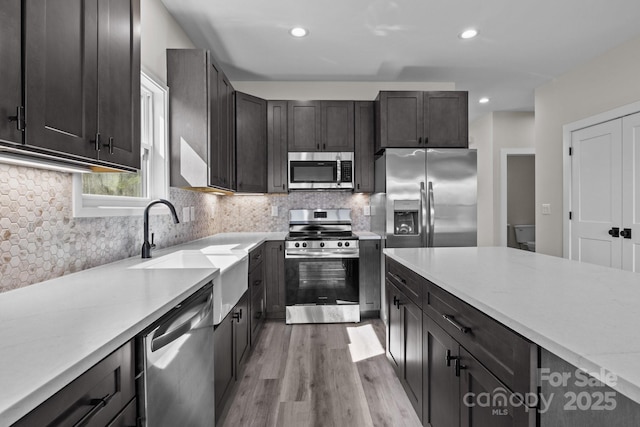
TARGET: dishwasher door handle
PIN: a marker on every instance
(164, 338)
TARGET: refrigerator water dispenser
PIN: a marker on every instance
(406, 218)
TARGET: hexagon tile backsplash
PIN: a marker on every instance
(40, 239)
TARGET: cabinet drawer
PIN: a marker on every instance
(95, 397)
(502, 351)
(409, 283)
(256, 256)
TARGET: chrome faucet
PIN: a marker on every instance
(146, 246)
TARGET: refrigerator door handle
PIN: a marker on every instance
(432, 215)
(424, 214)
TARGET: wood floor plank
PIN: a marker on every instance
(304, 375)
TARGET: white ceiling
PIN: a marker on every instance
(521, 45)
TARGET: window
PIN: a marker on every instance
(122, 194)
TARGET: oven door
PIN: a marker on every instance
(322, 290)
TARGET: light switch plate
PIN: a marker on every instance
(185, 214)
(274, 210)
(193, 213)
(367, 210)
(546, 209)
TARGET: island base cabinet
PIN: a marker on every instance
(104, 395)
(404, 343)
(487, 402)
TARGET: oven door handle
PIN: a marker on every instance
(320, 254)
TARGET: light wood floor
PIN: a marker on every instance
(305, 375)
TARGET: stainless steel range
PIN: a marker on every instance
(321, 267)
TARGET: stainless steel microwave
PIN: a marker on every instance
(321, 171)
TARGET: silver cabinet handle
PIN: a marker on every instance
(455, 324)
(98, 405)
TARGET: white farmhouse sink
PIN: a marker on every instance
(234, 271)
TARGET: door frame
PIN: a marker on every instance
(567, 131)
(504, 155)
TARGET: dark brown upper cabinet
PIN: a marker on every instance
(251, 143)
(305, 122)
(320, 125)
(11, 73)
(277, 177)
(337, 125)
(438, 119)
(202, 122)
(364, 147)
(82, 80)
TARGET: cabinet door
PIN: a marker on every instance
(369, 272)
(222, 148)
(401, 119)
(241, 315)
(412, 363)
(446, 119)
(193, 91)
(337, 126)
(216, 161)
(441, 390)
(476, 384)
(304, 119)
(364, 147)
(61, 87)
(251, 143)
(10, 70)
(223, 361)
(395, 339)
(277, 174)
(119, 82)
(274, 270)
(257, 298)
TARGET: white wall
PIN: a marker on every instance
(490, 134)
(363, 91)
(158, 32)
(481, 138)
(608, 81)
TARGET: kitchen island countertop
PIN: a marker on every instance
(51, 332)
(583, 313)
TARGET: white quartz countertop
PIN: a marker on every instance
(53, 331)
(586, 314)
(366, 235)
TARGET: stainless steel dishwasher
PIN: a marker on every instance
(176, 381)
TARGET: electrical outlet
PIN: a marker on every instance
(367, 210)
(274, 210)
(193, 213)
(185, 214)
(546, 209)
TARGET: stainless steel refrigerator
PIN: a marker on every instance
(426, 197)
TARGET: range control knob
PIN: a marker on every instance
(346, 244)
(322, 244)
(297, 245)
(339, 244)
(304, 245)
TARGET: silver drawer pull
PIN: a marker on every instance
(456, 325)
(398, 278)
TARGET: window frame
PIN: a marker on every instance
(157, 176)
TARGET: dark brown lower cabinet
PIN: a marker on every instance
(274, 272)
(104, 395)
(257, 306)
(405, 343)
(441, 389)
(231, 350)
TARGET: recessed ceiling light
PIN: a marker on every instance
(298, 32)
(468, 34)
(483, 100)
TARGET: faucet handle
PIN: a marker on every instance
(153, 245)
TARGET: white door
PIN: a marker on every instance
(631, 192)
(596, 197)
